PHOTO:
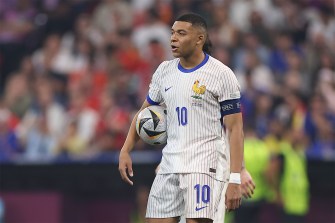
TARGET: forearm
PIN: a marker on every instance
(132, 136)
(236, 149)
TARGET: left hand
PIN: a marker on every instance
(233, 196)
(247, 184)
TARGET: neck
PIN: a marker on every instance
(192, 60)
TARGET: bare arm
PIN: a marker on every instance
(132, 136)
(234, 125)
(125, 162)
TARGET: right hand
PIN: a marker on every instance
(157, 168)
(247, 184)
(126, 166)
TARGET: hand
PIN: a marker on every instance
(157, 168)
(125, 166)
(248, 185)
(233, 196)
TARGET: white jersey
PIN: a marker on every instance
(195, 142)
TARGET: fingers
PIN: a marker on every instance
(125, 167)
(253, 186)
(125, 170)
(130, 171)
(248, 189)
(233, 199)
(232, 204)
(228, 204)
(245, 191)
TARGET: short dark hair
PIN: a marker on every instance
(194, 19)
(197, 20)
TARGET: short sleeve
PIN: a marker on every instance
(229, 88)
(155, 96)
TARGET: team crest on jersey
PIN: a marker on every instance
(198, 90)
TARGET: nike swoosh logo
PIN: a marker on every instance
(166, 89)
(198, 209)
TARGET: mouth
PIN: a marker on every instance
(174, 48)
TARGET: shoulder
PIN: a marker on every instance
(169, 64)
(166, 67)
(220, 70)
(226, 80)
(215, 64)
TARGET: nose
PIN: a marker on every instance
(173, 38)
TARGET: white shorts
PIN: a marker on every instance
(221, 211)
(194, 195)
(220, 214)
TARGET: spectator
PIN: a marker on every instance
(83, 29)
(118, 14)
(295, 79)
(278, 60)
(252, 44)
(275, 47)
(261, 76)
(152, 28)
(326, 81)
(104, 136)
(262, 114)
(9, 144)
(87, 118)
(72, 143)
(44, 108)
(323, 28)
(39, 143)
(292, 184)
(259, 28)
(257, 158)
(51, 57)
(223, 31)
(17, 95)
(319, 126)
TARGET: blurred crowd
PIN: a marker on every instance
(74, 72)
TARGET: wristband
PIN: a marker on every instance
(235, 178)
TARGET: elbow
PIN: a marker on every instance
(234, 124)
(236, 129)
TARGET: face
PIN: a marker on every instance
(185, 39)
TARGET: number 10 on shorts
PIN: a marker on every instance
(203, 193)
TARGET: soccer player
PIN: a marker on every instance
(200, 94)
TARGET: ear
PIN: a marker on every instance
(201, 39)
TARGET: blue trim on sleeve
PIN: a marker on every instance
(184, 70)
(230, 107)
(151, 101)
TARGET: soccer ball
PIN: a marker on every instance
(151, 125)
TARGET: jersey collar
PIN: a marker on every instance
(184, 70)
